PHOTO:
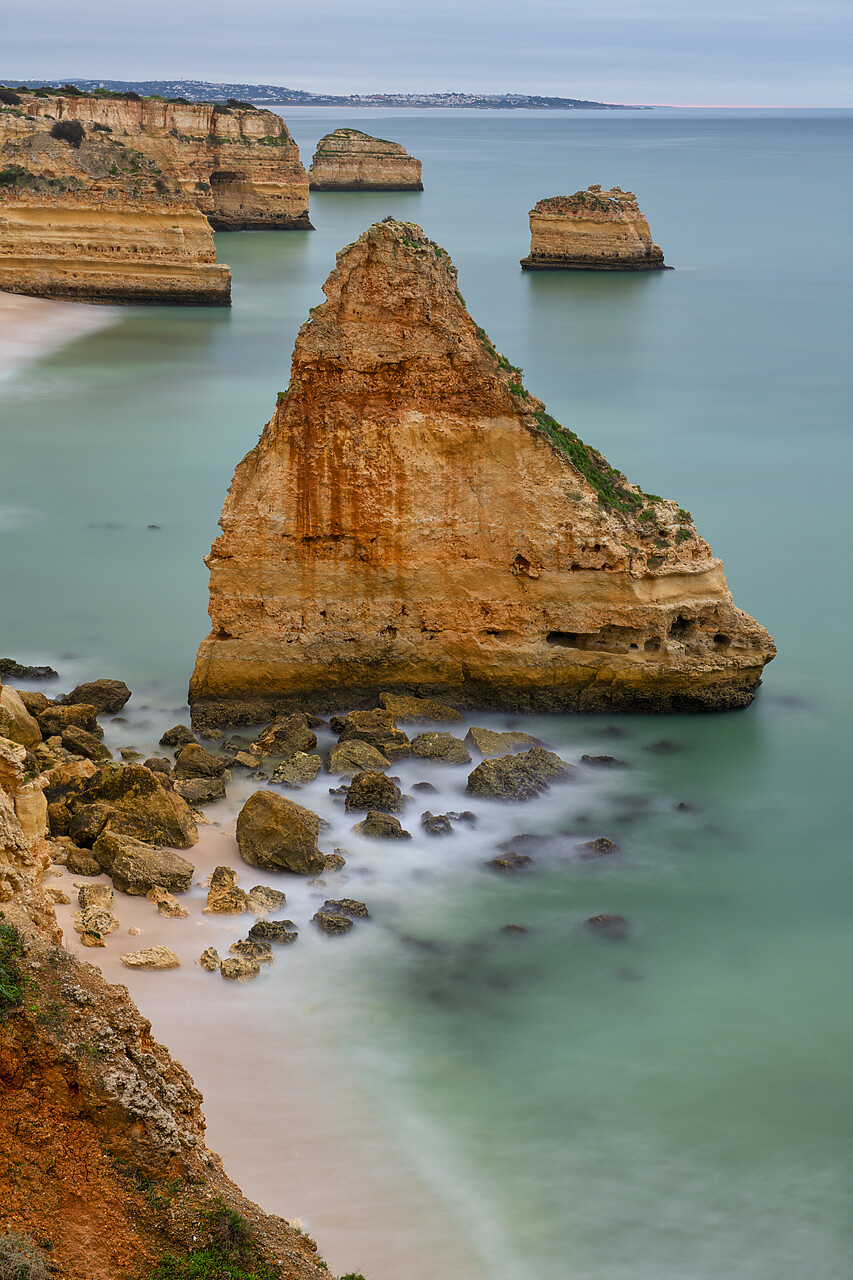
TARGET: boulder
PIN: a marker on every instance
(279, 835)
(252, 949)
(285, 736)
(192, 761)
(509, 863)
(347, 907)
(335, 861)
(72, 775)
(94, 924)
(224, 896)
(520, 777)
(346, 759)
(440, 746)
(57, 896)
(82, 715)
(606, 762)
(209, 959)
(381, 826)
(81, 863)
(492, 744)
(278, 932)
(239, 969)
(178, 736)
(34, 702)
(106, 696)
(615, 927)
(151, 958)
(331, 922)
(262, 899)
(298, 770)
(16, 723)
(598, 848)
(135, 867)
(378, 729)
(81, 743)
(198, 791)
(158, 764)
(436, 824)
(86, 823)
(141, 805)
(167, 905)
(12, 670)
(373, 790)
(407, 709)
(96, 895)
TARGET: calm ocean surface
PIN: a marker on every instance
(675, 1106)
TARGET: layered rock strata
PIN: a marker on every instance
(237, 165)
(592, 230)
(93, 220)
(349, 160)
(413, 521)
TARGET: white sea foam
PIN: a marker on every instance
(31, 327)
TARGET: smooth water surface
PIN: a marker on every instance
(674, 1106)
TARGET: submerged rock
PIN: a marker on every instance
(331, 922)
(615, 927)
(346, 759)
(286, 736)
(408, 709)
(373, 790)
(106, 696)
(521, 777)
(570, 590)
(262, 899)
(224, 895)
(347, 907)
(210, 959)
(252, 949)
(381, 826)
(166, 904)
(436, 824)
(178, 736)
(278, 932)
(491, 744)
(136, 868)
(151, 958)
(440, 746)
(509, 863)
(299, 770)
(377, 728)
(239, 969)
(277, 834)
(592, 230)
(598, 848)
(12, 670)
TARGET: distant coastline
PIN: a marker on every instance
(276, 95)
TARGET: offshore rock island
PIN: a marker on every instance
(349, 160)
(592, 230)
(412, 520)
(112, 199)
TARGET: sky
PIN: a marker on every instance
(703, 52)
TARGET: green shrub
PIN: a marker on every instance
(11, 979)
(21, 1258)
(230, 1253)
(8, 97)
(70, 131)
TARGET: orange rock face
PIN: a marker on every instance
(349, 160)
(412, 520)
(98, 223)
(240, 167)
(592, 230)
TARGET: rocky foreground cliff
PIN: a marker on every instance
(104, 1172)
(592, 230)
(413, 520)
(349, 160)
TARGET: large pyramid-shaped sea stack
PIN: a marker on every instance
(412, 519)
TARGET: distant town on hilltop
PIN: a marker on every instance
(277, 96)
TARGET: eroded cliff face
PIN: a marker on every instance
(98, 222)
(349, 160)
(592, 230)
(102, 1153)
(239, 166)
(413, 520)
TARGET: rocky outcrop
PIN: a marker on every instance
(237, 165)
(349, 160)
(103, 1161)
(98, 221)
(592, 230)
(413, 520)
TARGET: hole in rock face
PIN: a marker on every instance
(492, 634)
(680, 626)
(633, 646)
(222, 634)
(563, 639)
(722, 641)
(390, 633)
(652, 646)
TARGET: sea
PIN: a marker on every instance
(432, 1095)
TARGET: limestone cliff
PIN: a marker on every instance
(349, 160)
(592, 230)
(413, 520)
(238, 165)
(102, 1156)
(92, 220)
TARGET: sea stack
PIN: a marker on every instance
(238, 165)
(349, 160)
(412, 520)
(592, 230)
(87, 218)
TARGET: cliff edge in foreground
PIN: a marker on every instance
(413, 520)
(592, 230)
(349, 160)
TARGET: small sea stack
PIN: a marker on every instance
(412, 520)
(349, 160)
(593, 230)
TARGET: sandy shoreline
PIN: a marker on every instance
(31, 327)
(293, 1126)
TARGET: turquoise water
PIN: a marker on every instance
(670, 1107)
